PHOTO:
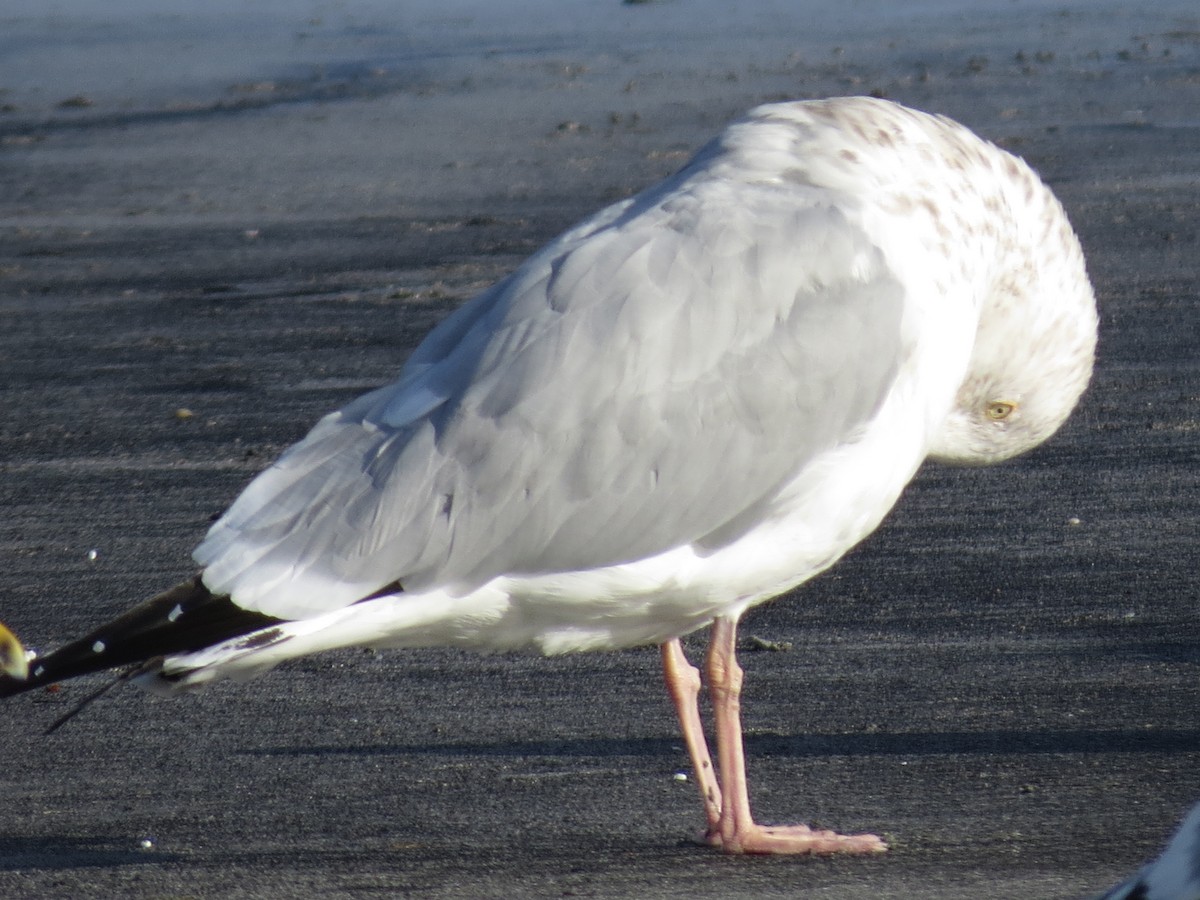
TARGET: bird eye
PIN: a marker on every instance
(1000, 409)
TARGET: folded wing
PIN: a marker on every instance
(647, 381)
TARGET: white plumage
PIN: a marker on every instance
(691, 402)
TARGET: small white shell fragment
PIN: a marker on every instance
(680, 776)
(98, 647)
(1074, 520)
(93, 554)
(146, 844)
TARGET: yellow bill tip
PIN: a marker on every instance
(13, 658)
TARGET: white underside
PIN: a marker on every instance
(815, 520)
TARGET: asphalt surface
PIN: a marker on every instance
(1003, 680)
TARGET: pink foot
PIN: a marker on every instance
(731, 827)
(796, 840)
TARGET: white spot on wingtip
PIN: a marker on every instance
(98, 647)
(175, 613)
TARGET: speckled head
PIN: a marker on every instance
(1036, 338)
(971, 223)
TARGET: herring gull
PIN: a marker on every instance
(689, 403)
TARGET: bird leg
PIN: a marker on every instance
(734, 829)
(683, 683)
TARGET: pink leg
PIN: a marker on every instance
(736, 830)
(683, 683)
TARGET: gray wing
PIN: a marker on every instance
(648, 380)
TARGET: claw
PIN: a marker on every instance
(13, 659)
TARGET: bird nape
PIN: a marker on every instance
(690, 403)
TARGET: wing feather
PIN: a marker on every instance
(644, 382)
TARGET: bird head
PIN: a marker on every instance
(1035, 341)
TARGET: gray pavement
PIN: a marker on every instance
(1004, 680)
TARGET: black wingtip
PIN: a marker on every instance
(187, 617)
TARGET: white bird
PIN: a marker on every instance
(1175, 875)
(691, 402)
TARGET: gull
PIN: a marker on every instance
(691, 402)
(1174, 875)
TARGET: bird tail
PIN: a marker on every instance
(184, 619)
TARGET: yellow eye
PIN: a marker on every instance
(998, 410)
